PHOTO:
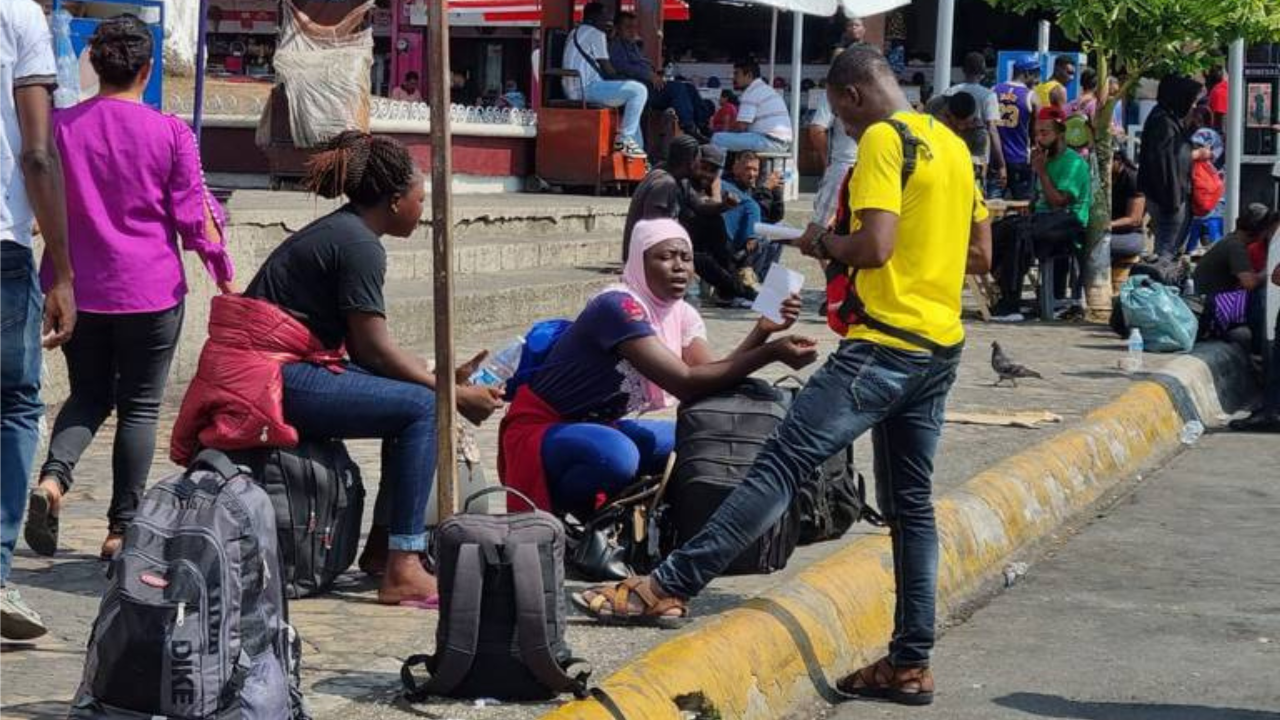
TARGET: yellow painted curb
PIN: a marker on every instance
(761, 658)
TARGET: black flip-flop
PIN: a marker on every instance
(41, 531)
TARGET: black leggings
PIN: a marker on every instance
(115, 362)
(713, 259)
(1020, 241)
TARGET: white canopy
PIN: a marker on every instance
(827, 8)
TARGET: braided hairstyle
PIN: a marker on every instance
(368, 169)
(120, 50)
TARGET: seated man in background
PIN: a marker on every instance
(586, 51)
(1128, 207)
(407, 91)
(703, 217)
(682, 97)
(1057, 227)
(763, 123)
(740, 222)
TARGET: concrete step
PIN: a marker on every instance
(490, 302)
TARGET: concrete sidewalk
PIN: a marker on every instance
(1166, 606)
(354, 647)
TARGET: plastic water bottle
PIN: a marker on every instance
(1191, 432)
(1136, 348)
(501, 366)
(68, 92)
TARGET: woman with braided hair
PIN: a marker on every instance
(330, 276)
(134, 187)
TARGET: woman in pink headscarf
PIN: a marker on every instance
(636, 347)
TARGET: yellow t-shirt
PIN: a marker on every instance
(1045, 89)
(919, 288)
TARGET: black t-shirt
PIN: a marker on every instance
(1219, 270)
(1124, 188)
(659, 195)
(333, 266)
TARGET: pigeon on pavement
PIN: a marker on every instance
(1007, 369)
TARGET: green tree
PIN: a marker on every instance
(1143, 38)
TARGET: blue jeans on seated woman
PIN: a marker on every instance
(358, 404)
(582, 460)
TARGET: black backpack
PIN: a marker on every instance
(835, 500)
(717, 440)
(318, 498)
(193, 621)
(502, 610)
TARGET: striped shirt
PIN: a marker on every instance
(765, 112)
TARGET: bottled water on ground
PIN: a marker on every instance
(1133, 361)
(1191, 432)
(501, 366)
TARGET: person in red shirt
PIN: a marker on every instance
(727, 115)
(1216, 81)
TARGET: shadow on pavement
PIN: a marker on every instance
(1053, 706)
(80, 574)
(38, 710)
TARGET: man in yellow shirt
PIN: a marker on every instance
(914, 235)
(1053, 92)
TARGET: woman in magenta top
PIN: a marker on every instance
(133, 188)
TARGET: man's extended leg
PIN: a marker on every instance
(856, 389)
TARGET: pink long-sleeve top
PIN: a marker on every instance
(133, 186)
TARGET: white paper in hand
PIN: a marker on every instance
(778, 232)
(779, 284)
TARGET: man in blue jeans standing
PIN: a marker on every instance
(31, 179)
(911, 235)
(586, 51)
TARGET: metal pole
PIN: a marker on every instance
(1042, 43)
(1234, 128)
(197, 111)
(773, 48)
(792, 187)
(442, 258)
(942, 46)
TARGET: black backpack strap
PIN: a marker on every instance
(910, 149)
(451, 663)
(218, 462)
(531, 626)
(869, 514)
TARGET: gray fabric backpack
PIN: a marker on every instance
(192, 623)
(502, 610)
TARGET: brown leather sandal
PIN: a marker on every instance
(882, 681)
(612, 605)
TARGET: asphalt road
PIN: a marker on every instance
(1164, 607)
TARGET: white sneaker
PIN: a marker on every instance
(1010, 318)
(628, 147)
(17, 620)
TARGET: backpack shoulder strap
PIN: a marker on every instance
(910, 148)
(452, 662)
(218, 462)
(531, 627)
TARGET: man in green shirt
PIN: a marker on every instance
(1057, 229)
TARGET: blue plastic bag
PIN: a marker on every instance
(1167, 324)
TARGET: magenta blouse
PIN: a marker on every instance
(134, 186)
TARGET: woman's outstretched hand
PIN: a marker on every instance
(796, 351)
(478, 402)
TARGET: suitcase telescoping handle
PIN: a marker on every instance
(466, 505)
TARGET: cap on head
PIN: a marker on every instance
(1026, 63)
(1257, 218)
(713, 155)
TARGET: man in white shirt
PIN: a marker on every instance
(31, 183)
(763, 124)
(983, 140)
(838, 150)
(586, 51)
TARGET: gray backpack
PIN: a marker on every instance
(502, 610)
(192, 623)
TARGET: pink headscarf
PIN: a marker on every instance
(676, 323)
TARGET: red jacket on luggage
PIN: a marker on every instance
(236, 399)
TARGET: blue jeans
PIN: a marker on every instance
(582, 460)
(900, 397)
(20, 408)
(755, 142)
(359, 404)
(630, 95)
(682, 97)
